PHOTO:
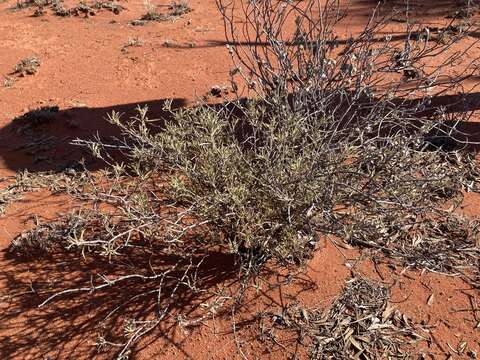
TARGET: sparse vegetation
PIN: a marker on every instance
(70, 181)
(336, 137)
(27, 66)
(132, 42)
(179, 8)
(175, 10)
(58, 8)
(8, 81)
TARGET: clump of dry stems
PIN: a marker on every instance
(175, 10)
(27, 66)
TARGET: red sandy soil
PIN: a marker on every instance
(84, 72)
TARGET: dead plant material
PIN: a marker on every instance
(82, 9)
(175, 10)
(179, 8)
(464, 9)
(172, 44)
(44, 238)
(24, 4)
(360, 324)
(132, 42)
(218, 91)
(70, 181)
(109, 5)
(58, 8)
(27, 66)
(8, 81)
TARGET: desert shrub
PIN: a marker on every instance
(388, 157)
(27, 66)
(338, 137)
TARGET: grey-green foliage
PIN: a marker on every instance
(254, 178)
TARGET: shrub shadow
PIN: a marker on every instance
(46, 145)
(40, 140)
(67, 328)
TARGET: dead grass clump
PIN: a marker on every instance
(82, 9)
(179, 8)
(8, 81)
(109, 5)
(70, 181)
(176, 10)
(27, 66)
(24, 4)
(132, 42)
(58, 8)
(360, 324)
(39, 12)
(152, 13)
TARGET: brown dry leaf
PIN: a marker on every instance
(387, 312)
(430, 300)
(380, 326)
(304, 314)
(348, 334)
(461, 347)
(356, 344)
